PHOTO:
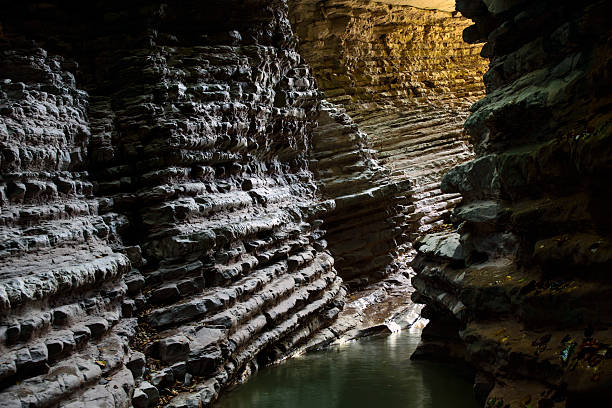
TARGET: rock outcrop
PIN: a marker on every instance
(63, 297)
(404, 77)
(161, 236)
(524, 277)
(366, 230)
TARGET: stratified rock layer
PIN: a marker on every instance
(406, 80)
(160, 231)
(525, 278)
(366, 231)
(62, 293)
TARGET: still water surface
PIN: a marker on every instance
(372, 373)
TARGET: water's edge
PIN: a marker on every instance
(374, 371)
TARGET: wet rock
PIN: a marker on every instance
(203, 362)
(140, 399)
(134, 281)
(477, 212)
(137, 364)
(97, 326)
(163, 378)
(164, 293)
(443, 245)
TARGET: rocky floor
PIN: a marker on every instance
(377, 309)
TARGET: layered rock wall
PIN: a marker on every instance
(524, 279)
(62, 289)
(366, 231)
(160, 231)
(367, 52)
(405, 78)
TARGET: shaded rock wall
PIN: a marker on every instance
(160, 231)
(61, 274)
(405, 78)
(366, 232)
(525, 277)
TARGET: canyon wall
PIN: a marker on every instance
(520, 289)
(405, 78)
(169, 172)
(160, 231)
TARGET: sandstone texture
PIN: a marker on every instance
(520, 287)
(161, 236)
(405, 80)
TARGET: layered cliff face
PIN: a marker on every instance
(366, 231)
(524, 278)
(61, 282)
(160, 231)
(403, 75)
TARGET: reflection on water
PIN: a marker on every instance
(374, 372)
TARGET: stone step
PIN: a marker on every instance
(56, 272)
(201, 354)
(288, 325)
(98, 313)
(78, 231)
(38, 189)
(44, 385)
(197, 307)
(29, 216)
(205, 392)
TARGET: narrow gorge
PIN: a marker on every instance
(191, 191)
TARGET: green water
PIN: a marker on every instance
(375, 372)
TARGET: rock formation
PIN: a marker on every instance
(172, 174)
(366, 230)
(520, 289)
(405, 78)
(160, 230)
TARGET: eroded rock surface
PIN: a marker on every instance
(62, 290)
(367, 232)
(160, 231)
(405, 80)
(529, 297)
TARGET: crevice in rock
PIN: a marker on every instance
(398, 81)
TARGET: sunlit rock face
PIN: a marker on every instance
(160, 230)
(525, 277)
(405, 79)
(442, 5)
